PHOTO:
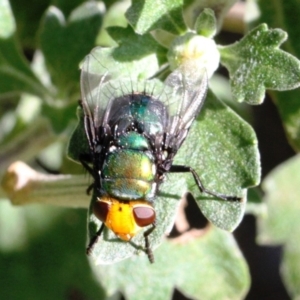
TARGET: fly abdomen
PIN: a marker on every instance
(129, 174)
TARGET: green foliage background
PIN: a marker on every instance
(42, 247)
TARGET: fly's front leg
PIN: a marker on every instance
(94, 240)
(185, 169)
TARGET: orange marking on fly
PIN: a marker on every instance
(124, 218)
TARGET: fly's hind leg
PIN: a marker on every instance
(185, 169)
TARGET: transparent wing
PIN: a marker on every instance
(103, 80)
(184, 94)
(94, 81)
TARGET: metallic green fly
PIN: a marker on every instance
(134, 128)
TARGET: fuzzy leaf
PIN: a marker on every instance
(213, 257)
(222, 148)
(274, 13)
(148, 15)
(255, 64)
(133, 46)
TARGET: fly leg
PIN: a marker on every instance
(185, 169)
(148, 249)
(94, 240)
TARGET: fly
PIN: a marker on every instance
(133, 135)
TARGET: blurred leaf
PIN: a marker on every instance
(60, 116)
(114, 16)
(283, 14)
(65, 43)
(213, 257)
(282, 225)
(255, 205)
(148, 15)
(67, 6)
(20, 117)
(133, 46)
(288, 104)
(222, 148)
(15, 73)
(28, 15)
(255, 64)
(42, 247)
(26, 143)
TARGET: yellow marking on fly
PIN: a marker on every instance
(120, 216)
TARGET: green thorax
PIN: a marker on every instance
(129, 170)
(148, 114)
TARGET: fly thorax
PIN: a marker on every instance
(129, 170)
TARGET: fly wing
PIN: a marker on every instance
(185, 92)
(103, 80)
(99, 86)
(91, 82)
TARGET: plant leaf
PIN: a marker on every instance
(255, 64)
(16, 75)
(148, 15)
(60, 116)
(65, 43)
(222, 148)
(282, 225)
(274, 13)
(46, 250)
(133, 46)
(214, 257)
(102, 60)
(288, 105)
(28, 16)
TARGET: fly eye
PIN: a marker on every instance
(101, 210)
(144, 215)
